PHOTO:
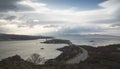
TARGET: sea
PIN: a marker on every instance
(25, 48)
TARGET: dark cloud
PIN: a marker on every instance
(10, 18)
(7, 16)
(12, 5)
(116, 25)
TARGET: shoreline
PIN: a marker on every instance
(76, 57)
(105, 57)
(92, 51)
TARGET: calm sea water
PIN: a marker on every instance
(27, 47)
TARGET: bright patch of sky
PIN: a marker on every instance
(75, 4)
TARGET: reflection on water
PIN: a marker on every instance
(28, 47)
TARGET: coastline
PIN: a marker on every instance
(105, 57)
(94, 53)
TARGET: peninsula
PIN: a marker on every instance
(4, 37)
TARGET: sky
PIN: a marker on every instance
(51, 17)
(80, 4)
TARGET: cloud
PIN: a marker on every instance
(82, 29)
(9, 18)
(112, 9)
(13, 5)
(46, 20)
(26, 30)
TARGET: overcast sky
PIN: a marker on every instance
(38, 17)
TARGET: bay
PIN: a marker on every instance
(25, 48)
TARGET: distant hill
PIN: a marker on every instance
(89, 35)
(21, 37)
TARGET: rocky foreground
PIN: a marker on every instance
(103, 57)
